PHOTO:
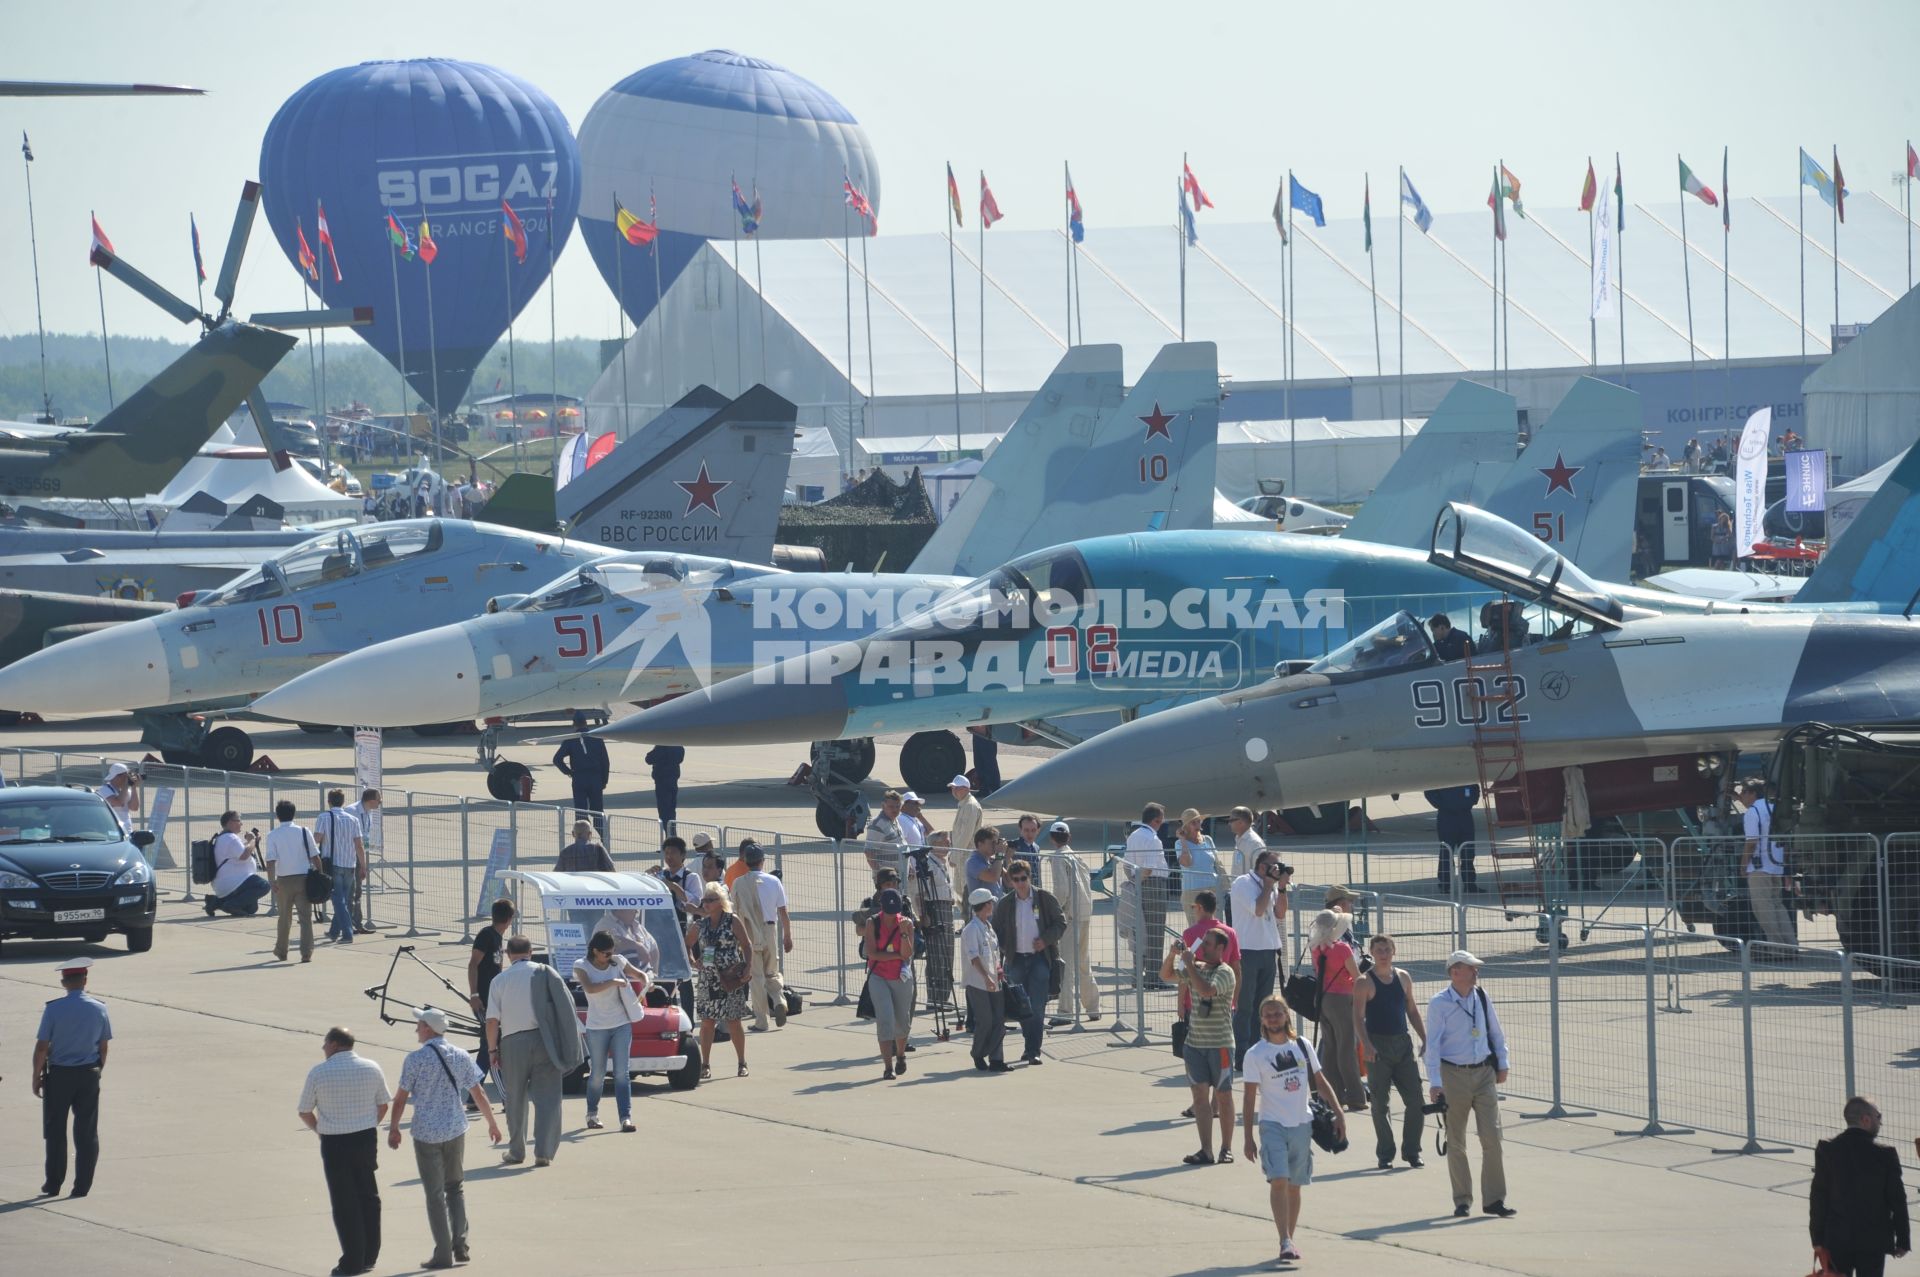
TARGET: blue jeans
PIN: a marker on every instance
(1029, 971)
(340, 926)
(609, 1048)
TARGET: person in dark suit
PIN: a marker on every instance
(665, 760)
(1857, 1212)
(583, 760)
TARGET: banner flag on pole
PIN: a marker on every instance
(989, 208)
(1726, 194)
(1750, 482)
(953, 197)
(1279, 209)
(1075, 223)
(1590, 191)
(1839, 188)
(199, 266)
(326, 238)
(308, 262)
(1507, 186)
(1307, 202)
(1811, 174)
(515, 232)
(1410, 198)
(857, 201)
(749, 214)
(102, 249)
(1191, 185)
(1186, 216)
(1695, 187)
(1602, 300)
(428, 249)
(398, 237)
(631, 227)
(1366, 211)
(1497, 204)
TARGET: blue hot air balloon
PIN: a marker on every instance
(683, 132)
(428, 140)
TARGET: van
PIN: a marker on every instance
(1674, 519)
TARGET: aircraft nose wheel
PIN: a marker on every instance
(930, 759)
(227, 749)
(510, 782)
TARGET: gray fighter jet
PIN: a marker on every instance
(1384, 714)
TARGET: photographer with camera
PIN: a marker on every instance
(1259, 905)
(238, 884)
(1383, 1007)
(1282, 1072)
(1207, 983)
(121, 792)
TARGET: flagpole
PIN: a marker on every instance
(1373, 286)
(620, 308)
(1686, 275)
(866, 298)
(1066, 213)
(323, 346)
(1620, 258)
(983, 306)
(1726, 274)
(1293, 427)
(433, 360)
(1180, 238)
(846, 255)
(659, 301)
(513, 377)
(400, 336)
(1909, 185)
(40, 323)
(760, 290)
(1803, 264)
(105, 350)
(1593, 323)
(1079, 307)
(953, 313)
(313, 369)
(739, 354)
(1496, 269)
(1400, 295)
(1506, 321)
(553, 347)
(199, 278)
(1837, 197)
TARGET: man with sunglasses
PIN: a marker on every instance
(1029, 924)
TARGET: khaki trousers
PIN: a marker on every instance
(1763, 890)
(1471, 1089)
(766, 990)
(289, 894)
(1079, 939)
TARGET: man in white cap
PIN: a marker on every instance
(1466, 1062)
(69, 1052)
(1076, 901)
(437, 1078)
(118, 791)
(967, 816)
(913, 821)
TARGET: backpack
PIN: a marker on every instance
(201, 860)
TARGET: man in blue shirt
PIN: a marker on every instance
(69, 1052)
(438, 1078)
(1466, 1062)
(582, 759)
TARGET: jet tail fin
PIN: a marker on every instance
(1460, 454)
(524, 501)
(1084, 461)
(1575, 485)
(706, 476)
(1876, 558)
(140, 445)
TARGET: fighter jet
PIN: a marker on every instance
(1384, 714)
(640, 627)
(334, 593)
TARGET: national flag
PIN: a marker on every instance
(1410, 198)
(1913, 159)
(102, 251)
(515, 232)
(1076, 225)
(749, 213)
(1839, 187)
(989, 207)
(1726, 195)
(398, 237)
(1811, 174)
(326, 237)
(1279, 210)
(631, 227)
(1186, 217)
(1366, 210)
(308, 262)
(428, 249)
(1619, 198)
(857, 201)
(1191, 185)
(199, 266)
(26, 147)
(653, 214)
(1590, 191)
(1498, 205)
(953, 197)
(1694, 186)
(1505, 186)
(1306, 201)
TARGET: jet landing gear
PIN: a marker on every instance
(834, 773)
(186, 741)
(930, 759)
(852, 759)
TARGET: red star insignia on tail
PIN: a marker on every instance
(1157, 424)
(1560, 476)
(702, 491)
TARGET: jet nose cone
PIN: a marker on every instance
(120, 668)
(740, 711)
(1189, 756)
(432, 677)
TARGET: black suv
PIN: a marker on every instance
(67, 869)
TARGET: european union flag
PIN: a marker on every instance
(1305, 201)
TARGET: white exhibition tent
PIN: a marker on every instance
(1340, 462)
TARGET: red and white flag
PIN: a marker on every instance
(326, 238)
(989, 208)
(102, 251)
(1192, 185)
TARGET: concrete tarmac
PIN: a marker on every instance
(811, 1164)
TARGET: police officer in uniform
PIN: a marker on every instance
(582, 759)
(68, 1054)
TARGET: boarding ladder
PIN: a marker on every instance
(1520, 867)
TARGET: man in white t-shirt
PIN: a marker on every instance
(761, 901)
(1763, 863)
(1151, 889)
(1280, 1071)
(237, 884)
(1259, 907)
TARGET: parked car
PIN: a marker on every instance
(67, 869)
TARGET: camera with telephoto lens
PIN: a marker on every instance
(1279, 869)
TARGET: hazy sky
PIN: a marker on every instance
(1119, 88)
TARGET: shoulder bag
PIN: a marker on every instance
(1302, 992)
(736, 977)
(319, 881)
